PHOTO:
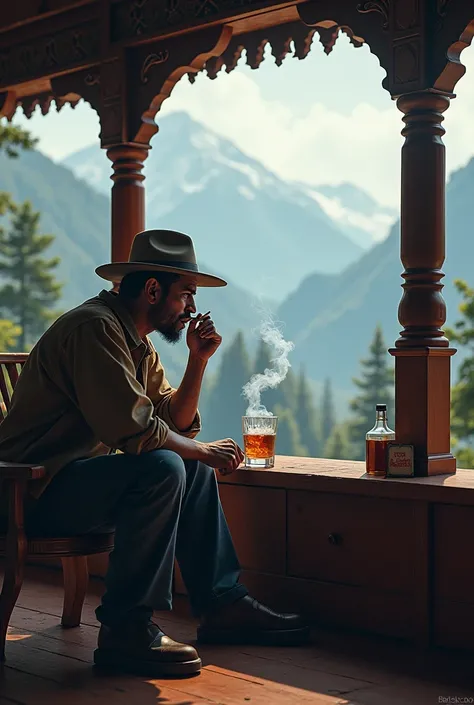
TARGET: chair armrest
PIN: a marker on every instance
(20, 471)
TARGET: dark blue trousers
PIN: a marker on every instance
(161, 507)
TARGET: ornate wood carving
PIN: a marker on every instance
(454, 33)
(422, 353)
(361, 21)
(399, 33)
(380, 6)
(8, 104)
(47, 55)
(70, 88)
(128, 197)
(112, 103)
(278, 38)
(292, 38)
(157, 67)
(153, 60)
(139, 18)
(422, 309)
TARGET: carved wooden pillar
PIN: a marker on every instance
(128, 197)
(422, 353)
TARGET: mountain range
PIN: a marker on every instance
(251, 226)
(331, 319)
(318, 253)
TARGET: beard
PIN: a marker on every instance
(170, 333)
(165, 325)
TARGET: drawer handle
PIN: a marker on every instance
(335, 539)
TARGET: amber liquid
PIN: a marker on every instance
(258, 445)
(376, 457)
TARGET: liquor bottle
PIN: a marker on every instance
(376, 442)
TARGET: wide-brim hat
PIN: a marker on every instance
(160, 251)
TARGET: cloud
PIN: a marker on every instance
(324, 145)
(324, 120)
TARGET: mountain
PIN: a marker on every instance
(256, 229)
(79, 218)
(356, 213)
(70, 210)
(331, 319)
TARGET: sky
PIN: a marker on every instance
(322, 120)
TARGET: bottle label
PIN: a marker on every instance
(400, 460)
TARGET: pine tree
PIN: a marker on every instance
(462, 405)
(376, 387)
(305, 416)
(288, 440)
(337, 446)
(328, 415)
(31, 291)
(226, 404)
(12, 140)
(9, 334)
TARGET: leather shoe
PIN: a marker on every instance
(247, 621)
(143, 649)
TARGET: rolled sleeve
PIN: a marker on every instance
(107, 393)
(163, 411)
(161, 392)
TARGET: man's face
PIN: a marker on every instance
(171, 313)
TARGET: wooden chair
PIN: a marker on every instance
(15, 546)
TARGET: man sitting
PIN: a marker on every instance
(94, 385)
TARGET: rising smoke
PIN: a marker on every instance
(271, 378)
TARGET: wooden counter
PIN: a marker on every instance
(389, 556)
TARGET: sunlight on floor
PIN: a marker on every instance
(17, 637)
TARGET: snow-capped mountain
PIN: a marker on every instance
(248, 224)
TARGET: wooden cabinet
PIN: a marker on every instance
(389, 556)
(453, 576)
(360, 541)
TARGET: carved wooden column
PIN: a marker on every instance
(128, 197)
(422, 353)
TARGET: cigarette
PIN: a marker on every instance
(198, 314)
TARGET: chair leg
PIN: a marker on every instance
(76, 579)
(15, 556)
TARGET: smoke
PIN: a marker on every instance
(271, 378)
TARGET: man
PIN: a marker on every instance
(94, 385)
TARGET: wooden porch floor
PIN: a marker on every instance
(48, 665)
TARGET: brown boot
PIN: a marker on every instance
(249, 622)
(143, 649)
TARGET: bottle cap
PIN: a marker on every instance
(381, 407)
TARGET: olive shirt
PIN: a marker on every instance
(90, 385)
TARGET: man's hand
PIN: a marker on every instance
(225, 456)
(203, 339)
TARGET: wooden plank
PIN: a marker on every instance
(48, 665)
(84, 686)
(257, 521)
(215, 683)
(453, 571)
(349, 477)
(228, 687)
(362, 541)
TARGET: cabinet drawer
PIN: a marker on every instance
(453, 565)
(353, 540)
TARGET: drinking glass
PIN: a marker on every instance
(259, 434)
